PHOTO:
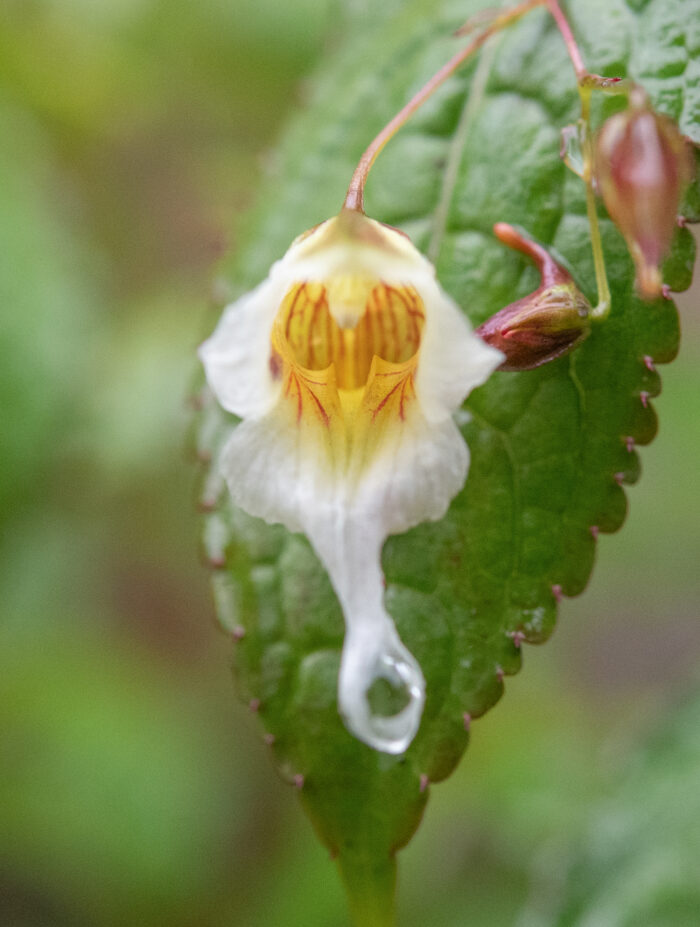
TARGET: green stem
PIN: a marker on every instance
(602, 308)
(586, 82)
(371, 889)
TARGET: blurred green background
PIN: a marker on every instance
(134, 790)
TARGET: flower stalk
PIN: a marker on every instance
(602, 308)
(586, 83)
(490, 24)
(355, 197)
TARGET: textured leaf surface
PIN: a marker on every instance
(550, 448)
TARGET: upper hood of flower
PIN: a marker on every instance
(345, 365)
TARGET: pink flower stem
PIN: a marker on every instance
(569, 40)
(354, 199)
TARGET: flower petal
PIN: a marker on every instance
(236, 356)
(454, 361)
(277, 472)
(346, 365)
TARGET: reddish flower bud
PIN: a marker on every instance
(642, 164)
(549, 322)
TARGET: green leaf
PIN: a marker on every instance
(636, 862)
(550, 448)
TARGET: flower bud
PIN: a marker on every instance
(547, 323)
(642, 164)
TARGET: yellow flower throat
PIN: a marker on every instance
(369, 360)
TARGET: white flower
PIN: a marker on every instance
(345, 366)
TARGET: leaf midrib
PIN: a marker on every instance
(474, 97)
